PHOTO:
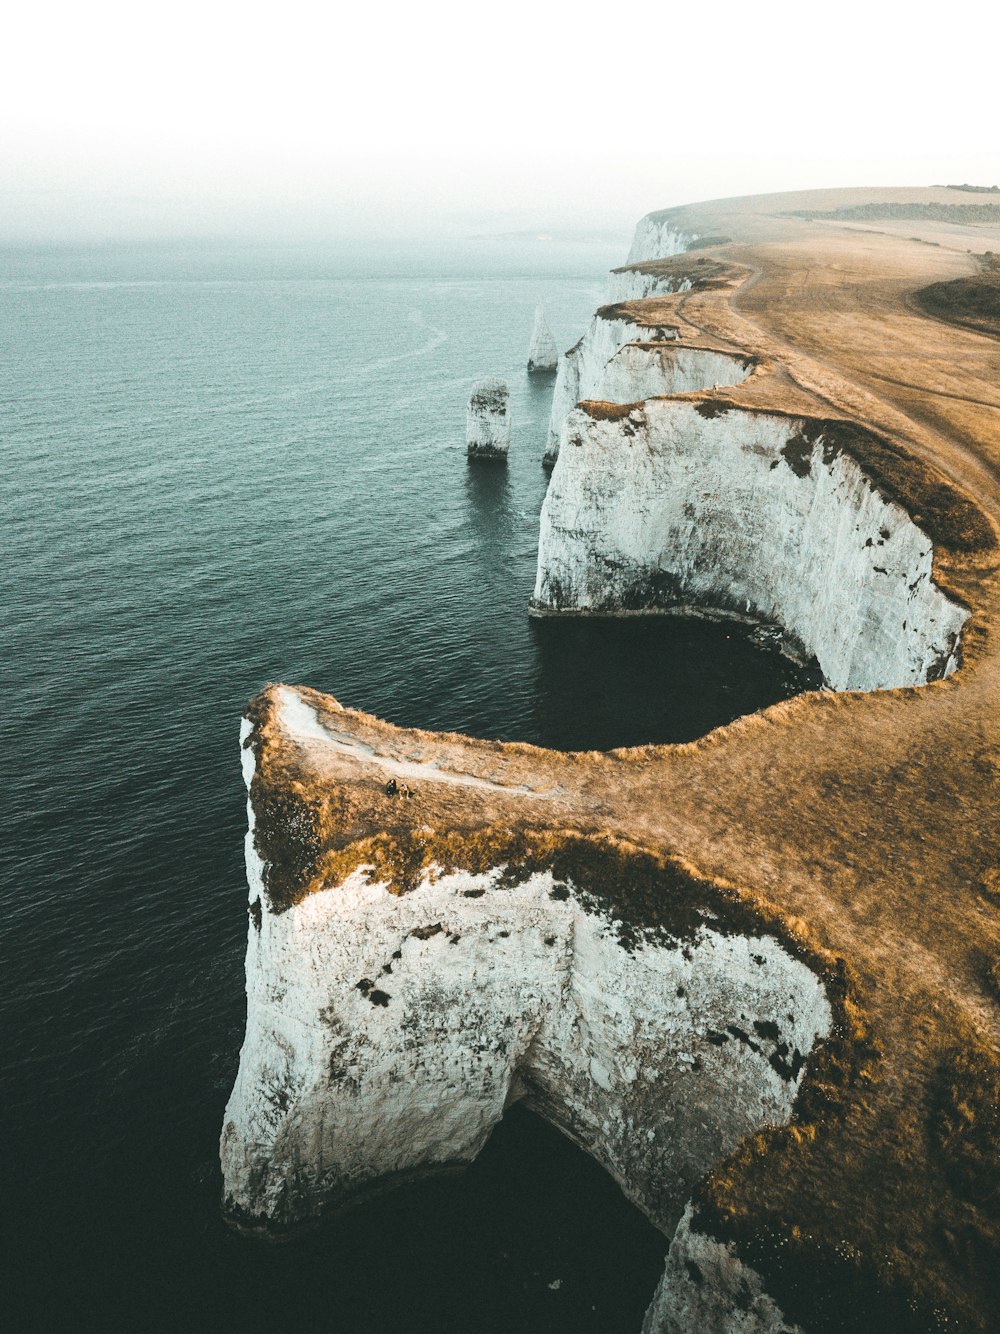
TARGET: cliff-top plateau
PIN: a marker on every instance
(756, 976)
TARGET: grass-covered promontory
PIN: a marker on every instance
(863, 829)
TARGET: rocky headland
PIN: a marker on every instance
(754, 976)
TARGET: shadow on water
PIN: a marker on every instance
(540, 388)
(490, 502)
(681, 677)
(533, 1237)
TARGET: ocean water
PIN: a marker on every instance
(224, 466)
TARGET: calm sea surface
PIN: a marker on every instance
(224, 466)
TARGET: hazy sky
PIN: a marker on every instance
(121, 119)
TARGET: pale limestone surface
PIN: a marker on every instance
(581, 370)
(487, 419)
(707, 1287)
(679, 505)
(634, 285)
(542, 353)
(645, 370)
(658, 239)
(386, 1034)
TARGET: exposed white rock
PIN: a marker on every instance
(635, 285)
(581, 369)
(687, 506)
(542, 354)
(618, 361)
(565, 396)
(656, 237)
(648, 370)
(386, 1034)
(487, 421)
(707, 1289)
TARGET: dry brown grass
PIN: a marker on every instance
(655, 312)
(609, 412)
(950, 518)
(702, 273)
(861, 828)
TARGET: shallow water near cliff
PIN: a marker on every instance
(225, 467)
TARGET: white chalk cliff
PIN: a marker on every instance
(581, 370)
(386, 1034)
(542, 353)
(709, 508)
(387, 1031)
(586, 371)
(633, 284)
(487, 420)
(657, 237)
(689, 506)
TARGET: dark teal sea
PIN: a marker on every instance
(222, 466)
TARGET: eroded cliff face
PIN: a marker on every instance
(628, 284)
(487, 420)
(614, 359)
(707, 1287)
(694, 506)
(707, 507)
(580, 372)
(657, 237)
(650, 370)
(386, 1034)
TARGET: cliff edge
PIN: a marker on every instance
(754, 976)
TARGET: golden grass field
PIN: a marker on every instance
(868, 824)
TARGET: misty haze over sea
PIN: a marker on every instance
(228, 464)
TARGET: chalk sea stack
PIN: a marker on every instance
(542, 355)
(754, 976)
(487, 421)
